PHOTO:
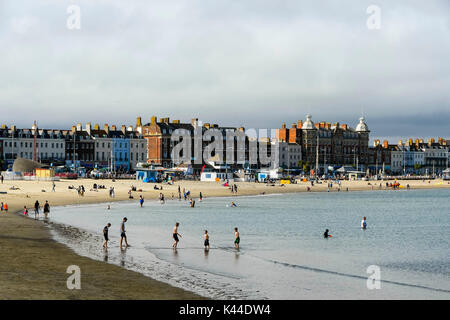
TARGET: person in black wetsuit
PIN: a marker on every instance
(325, 234)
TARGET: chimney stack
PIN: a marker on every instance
(124, 129)
(385, 144)
(153, 120)
(106, 128)
(79, 127)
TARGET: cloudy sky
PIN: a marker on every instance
(255, 63)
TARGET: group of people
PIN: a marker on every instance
(4, 206)
(175, 235)
(327, 234)
(37, 207)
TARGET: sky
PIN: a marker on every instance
(251, 63)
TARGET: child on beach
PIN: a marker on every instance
(175, 235)
(237, 239)
(123, 235)
(206, 243)
(25, 210)
(141, 200)
(105, 235)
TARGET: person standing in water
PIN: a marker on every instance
(201, 196)
(105, 235)
(206, 243)
(237, 239)
(175, 235)
(36, 209)
(46, 209)
(326, 235)
(123, 235)
(364, 223)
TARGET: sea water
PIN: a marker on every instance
(283, 254)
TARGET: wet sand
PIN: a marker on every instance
(33, 265)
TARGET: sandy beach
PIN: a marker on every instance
(34, 266)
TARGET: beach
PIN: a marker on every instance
(34, 265)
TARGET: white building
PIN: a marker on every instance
(289, 154)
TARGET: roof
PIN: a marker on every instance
(308, 124)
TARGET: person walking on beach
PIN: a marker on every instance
(46, 209)
(363, 223)
(36, 209)
(2, 178)
(141, 200)
(105, 235)
(123, 235)
(206, 243)
(53, 186)
(201, 196)
(175, 235)
(237, 239)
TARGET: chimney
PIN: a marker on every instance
(176, 121)
(328, 125)
(13, 128)
(294, 125)
(123, 129)
(113, 127)
(344, 126)
(88, 128)
(410, 142)
(130, 128)
(138, 122)
(96, 127)
(317, 125)
(385, 144)
(400, 142)
(299, 124)
(194, 122)
(283, 126)
(106, 128)
(79, 128)
(74, 129)
(207, 125)
(153, 120)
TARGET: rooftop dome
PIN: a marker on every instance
(308, 124)
(362, 126)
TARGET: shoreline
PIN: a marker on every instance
(34, 264)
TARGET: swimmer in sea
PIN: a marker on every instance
(237, 239)
(175, 235)
(206, 236)
(326, 235)
(233, 204)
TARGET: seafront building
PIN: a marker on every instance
(326, 145)
(91, 148)
(308, 147)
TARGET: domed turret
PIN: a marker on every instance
(308, 124)
(362, 126)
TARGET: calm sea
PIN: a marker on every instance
(283, 253)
